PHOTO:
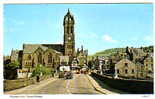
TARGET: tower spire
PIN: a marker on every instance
(69, 41)
(82, 48)
(68, 11)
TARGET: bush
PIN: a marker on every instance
(40, 69)
(36, 71)
(10, 70)
(12, 65)
(46, 71)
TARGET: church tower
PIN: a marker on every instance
(69, 39)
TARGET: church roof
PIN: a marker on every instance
(30, 48)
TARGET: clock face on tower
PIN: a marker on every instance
(69, 38)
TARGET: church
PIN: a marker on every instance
(48, 54)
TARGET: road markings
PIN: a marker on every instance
(67, 86)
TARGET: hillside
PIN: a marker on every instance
(112, 51)
(109, 52)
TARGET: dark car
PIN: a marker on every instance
(61, 75)
(68, 75)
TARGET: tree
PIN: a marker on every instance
(12, 65)
(37, 70)
(40, 69)
(10, 70)
(127, 50)
(90, 64)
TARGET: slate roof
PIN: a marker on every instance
(138, 52)
(30, 48)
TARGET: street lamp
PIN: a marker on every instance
(100, 65)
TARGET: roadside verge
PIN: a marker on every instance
(98, 88)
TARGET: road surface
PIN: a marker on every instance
(80, 84)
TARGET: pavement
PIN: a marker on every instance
(80, 84)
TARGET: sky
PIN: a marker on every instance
(97, 26)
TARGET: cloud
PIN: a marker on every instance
(108, 38)
(148, 38)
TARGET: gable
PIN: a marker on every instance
(122, 62)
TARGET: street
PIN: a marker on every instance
(80, 84)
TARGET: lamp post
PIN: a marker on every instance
(100, 65)
(115, 73)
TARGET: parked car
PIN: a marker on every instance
(78, 72)
(61, 75)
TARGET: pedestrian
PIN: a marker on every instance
(38, 78)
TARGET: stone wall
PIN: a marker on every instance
(130, 86)
(19, 83)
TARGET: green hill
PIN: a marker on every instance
(109, 52)
(112, 51)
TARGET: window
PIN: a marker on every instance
(118, 71)
(50, 58)
(66, 19)
(126, 64)
(72, 30)
(69, 53)
(29, 57)
(29, 63)
(69, 46)
(40, 58)
(126, 71)
(141, 74)
(67, 29)
(133, 71)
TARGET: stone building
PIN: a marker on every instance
(126, 68)
(48, 54)
(34, 54)
(129, 69)
(69, 37)
(148, 67)
(82, 56)
(134, 53)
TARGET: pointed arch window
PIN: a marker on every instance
(67, 29)
(50, 58)
(29, 57)
(40, 58)
(66, 19)
(72, 29)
